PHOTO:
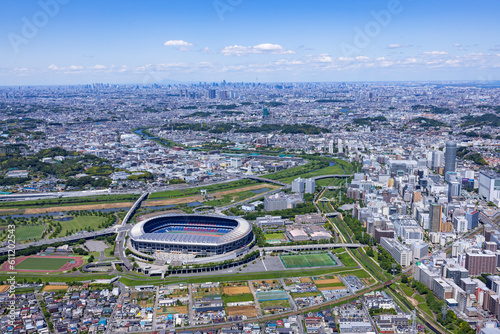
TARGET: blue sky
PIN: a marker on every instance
(86, 41)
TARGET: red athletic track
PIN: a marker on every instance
(67, 266)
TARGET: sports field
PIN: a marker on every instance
(37, 263)
(308, 260)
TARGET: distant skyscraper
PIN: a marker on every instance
(435, 217)
(265, 113)
(339, 145)
(330, 147)
(212, 94)
(450, 157)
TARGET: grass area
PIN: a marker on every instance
(305, 294)
(307, 260)
(426, 309)
(330, 285)
(244, 297)
(37, 263)
(109, 252)
(80, 223)
(330, 170)
(268, 303)
(370, 266)
(331, 182)
(197, 190)
(68, 201)
(419, 298)
(341, 226)
(274, 236)
(28, 232)
(407, 290)
(313, 168)
(237, 197)
(346, 259)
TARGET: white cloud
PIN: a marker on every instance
(97, 67)
(265, 48)
(399, 46)
(177, 42)
(435, 53)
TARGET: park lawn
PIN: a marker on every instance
(307, 260)
(197, 191)
(244, 297)
(407, 291)
(330, 182)
(274, 236)
(37, 263)
(80, 223)
(109, 252)
(346, 259)
(426, 309)
(28, 232)
(330, 170)
(228, 198)
(419, 299)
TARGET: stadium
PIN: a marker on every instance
(200, 235)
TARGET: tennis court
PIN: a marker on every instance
(307, 260)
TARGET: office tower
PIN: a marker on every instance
(450, 157)
(310, 186)
(437, 159)
(435, 217)
(212, 93)
(339, 145)
(489, 185)
(454, 189)
(472, 219)
(265, 113)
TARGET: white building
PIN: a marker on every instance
(489, 185)
(401, 253)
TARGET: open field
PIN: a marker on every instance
(339, 287)
(346, 259)
(274, 236)
(4, 288)
(250, 311)
(235, 290)
(69, 201)
(44, 263)
(55, 287)
(81, 223)
(327, 281)
(305, 280)
(217, 195)
(83, 207)
(28, 232)
(245, 297)
(307, 260)
(305, 294)
(267, 303)
(169, 194)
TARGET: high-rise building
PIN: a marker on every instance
(472, 219)
(437, 159)
(212, 93)
(435, 214)
(265, 113)
(454, 189)
(489, 185)
(310, 186)
(340, 145)
(330, 147)
(298, 185)
(478, 263)
(450, 157)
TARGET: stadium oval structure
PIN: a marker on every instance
(203, 235)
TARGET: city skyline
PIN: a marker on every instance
(70, 42)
